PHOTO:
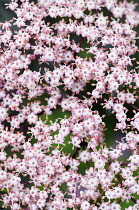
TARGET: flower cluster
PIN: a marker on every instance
(65, 67)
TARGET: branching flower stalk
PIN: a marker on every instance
(65, 67)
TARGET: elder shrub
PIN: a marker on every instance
(66, 66)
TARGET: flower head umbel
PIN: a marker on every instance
(67, 73)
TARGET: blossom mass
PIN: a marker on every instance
(62, 70)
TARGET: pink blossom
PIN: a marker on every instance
(66, 71)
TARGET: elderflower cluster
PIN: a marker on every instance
(68, 64)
